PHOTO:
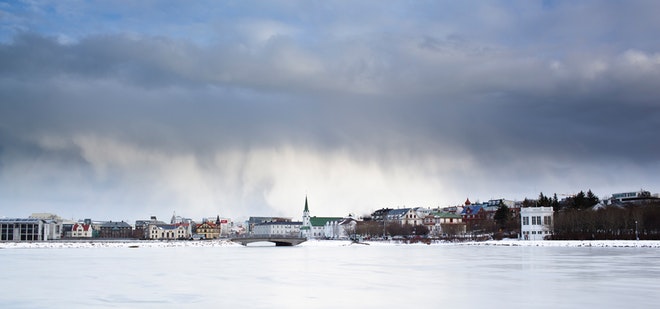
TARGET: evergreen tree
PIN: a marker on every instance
(555, 203)
(529, 203)
(579, 200)
(591, 199)
(543, 200)
(502, 216)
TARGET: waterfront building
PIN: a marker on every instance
(314, 227)
(404, 216)
(223, 224)
(23, 229)
(444, 223)
(208, 230)
(633, 197)
(340, 229)
(536, 222)
(142, 227)
(82, 230)
(252, 221)
(168, 231)
(283, 228)
(53, 225)
(474, 216)
(116, 230)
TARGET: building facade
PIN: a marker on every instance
(208, 230)
(404, 216)
(474, 217)
(290, 228)
(536, 223)
(314, 227)
(116, 230)
(252, 221)
(20, 229)
(444, 224)
(82, 230)
(340, 229)
(633, 197)
(168, 232)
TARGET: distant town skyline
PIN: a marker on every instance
(120, 110)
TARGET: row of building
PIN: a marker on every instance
(45, 226)
(535, 223)
(453, 220)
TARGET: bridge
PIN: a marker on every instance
(279, 240)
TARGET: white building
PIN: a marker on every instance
(277, 228)
(168, 231)
(52, 225)
(314, 227)
(405, 216)
(535, 222)
(340, 229)
(641, 195)
(82, 230)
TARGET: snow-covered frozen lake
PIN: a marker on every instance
(329, 275)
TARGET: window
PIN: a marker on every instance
(533, 220)
(547, 220)
(525, 220)
(538, 220)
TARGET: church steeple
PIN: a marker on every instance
(306, 226)
(306, 207)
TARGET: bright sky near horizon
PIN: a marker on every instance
(120, 110)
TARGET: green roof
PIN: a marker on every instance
(447, 215)
(321, 221)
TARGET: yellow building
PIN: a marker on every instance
(208, 230)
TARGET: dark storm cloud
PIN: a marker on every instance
(447, 95)
(452, 92)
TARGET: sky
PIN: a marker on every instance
(120, 110)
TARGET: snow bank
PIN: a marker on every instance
(116, 244)
(570, 243)
(329, 243)
(505, 242)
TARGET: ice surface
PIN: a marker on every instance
(330, 274)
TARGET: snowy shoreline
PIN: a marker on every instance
(326, 243)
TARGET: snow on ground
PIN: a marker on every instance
(570, 243)
(327, 243)
(116, 244)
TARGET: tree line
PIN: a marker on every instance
(636, 221)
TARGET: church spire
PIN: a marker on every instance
(306, 208)
(306, 227)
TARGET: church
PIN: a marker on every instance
(316, 227)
